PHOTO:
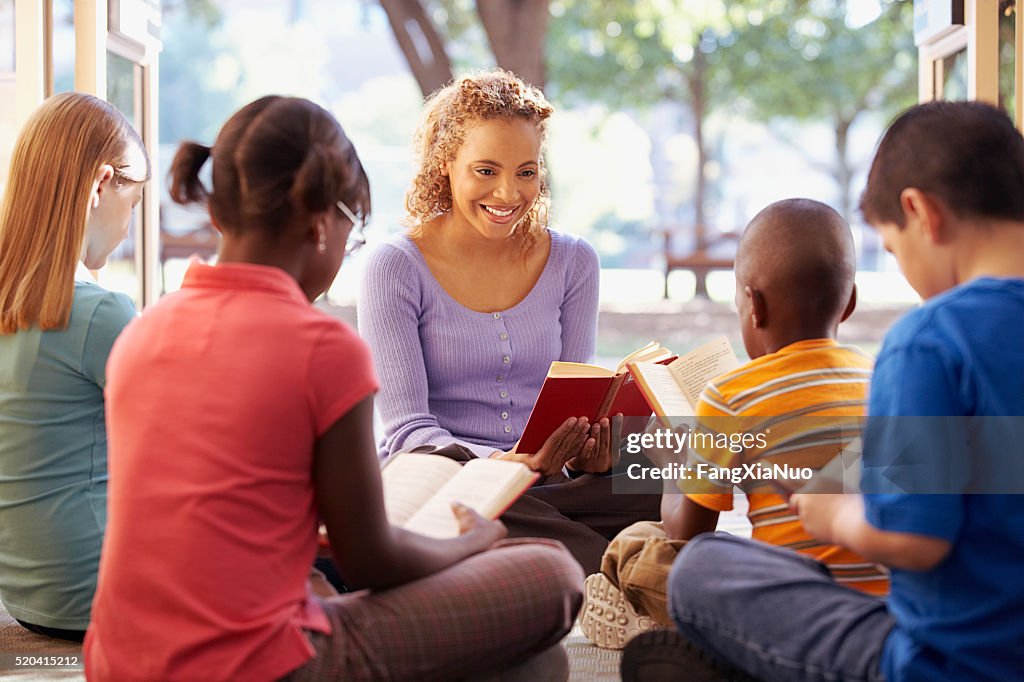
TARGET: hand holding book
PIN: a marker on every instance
(648, 379)
(821, 514)
(577, 445)
(441, 498)
(587, 391)
(428, 494)
(601, 451)
(564, 443)
(484, 532)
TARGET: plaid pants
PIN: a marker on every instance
(638, 562)
(485, 613)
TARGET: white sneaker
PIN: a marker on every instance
(607, 618)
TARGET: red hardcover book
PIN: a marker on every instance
(577, 390)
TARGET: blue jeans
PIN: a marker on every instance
(774, 613)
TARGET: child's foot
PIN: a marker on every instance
(607, 618)
(667, 656)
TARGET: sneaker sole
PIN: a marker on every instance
(667, 656)
(607, 618)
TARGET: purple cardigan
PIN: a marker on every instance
(449, 374)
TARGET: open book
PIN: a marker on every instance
(419, 490)
(672, 389)
(574, 389)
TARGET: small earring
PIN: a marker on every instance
(95, 201)
(321, 246)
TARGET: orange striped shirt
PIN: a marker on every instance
(808, 400)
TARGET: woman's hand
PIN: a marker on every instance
(565, 443)
(601, 451)
(479, 532)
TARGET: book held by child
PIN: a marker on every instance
(672, 389)
(419, 490)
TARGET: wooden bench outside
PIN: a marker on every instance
(700, 261)
(700, 264)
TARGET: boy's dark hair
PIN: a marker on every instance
(966, 154)
(275, 159)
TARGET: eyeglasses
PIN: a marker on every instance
(125, 179)
(356, 238)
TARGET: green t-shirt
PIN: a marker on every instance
(53, 460)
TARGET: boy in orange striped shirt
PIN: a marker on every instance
(802, 395)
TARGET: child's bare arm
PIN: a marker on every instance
(368, 550)
(684, 519)
(840, 519)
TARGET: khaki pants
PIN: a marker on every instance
(638, 562)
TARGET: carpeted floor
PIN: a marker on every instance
(588, 663)
(16, 641)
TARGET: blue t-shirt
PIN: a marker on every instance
(53, 460)
(960, 355)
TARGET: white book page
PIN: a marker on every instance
(577, 369)
(662, 383)
(652, 352)
(482, 485)
(409, 481)
(695, 369)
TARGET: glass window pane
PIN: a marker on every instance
(1007, 46)
(8, 130)
(121, 271)
(954, 76)
(6, 36)
(63, 45)
(121, 87)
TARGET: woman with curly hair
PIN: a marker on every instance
(467, 310)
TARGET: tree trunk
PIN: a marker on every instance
(698, 104)
(516, 30)
(420, 43)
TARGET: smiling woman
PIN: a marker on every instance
(466, 312)
(494, 175)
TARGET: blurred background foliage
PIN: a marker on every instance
(676, 117)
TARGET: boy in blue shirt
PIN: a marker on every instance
(946, 195)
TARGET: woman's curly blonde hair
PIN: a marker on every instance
(448, 113)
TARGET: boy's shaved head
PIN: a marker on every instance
(800, 254)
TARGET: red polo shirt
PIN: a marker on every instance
(215, 398)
